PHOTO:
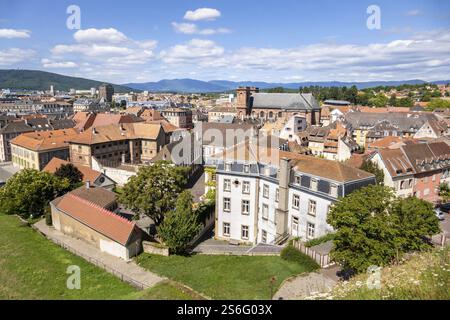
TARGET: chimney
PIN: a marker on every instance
(281, 212)
(88, 184)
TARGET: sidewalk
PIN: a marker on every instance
(126, 271)
(306, 285)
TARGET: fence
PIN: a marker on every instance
(98, 263)
(323, 259)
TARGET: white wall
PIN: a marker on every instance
(235, 216)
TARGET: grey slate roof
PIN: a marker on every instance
(16, 127)
(405, 122)
(285, 101)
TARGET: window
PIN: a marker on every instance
(245, 207)
(226, 204)
(263, 236)
(297, 180)
(265, 211)
(314, 184)
(277, 195)
(244, 232)
(311, 230)
(246, 187)
(246, 168)
(295, 201)
(226, 229)
(294, 226)
(226, 185)
(266, 191)
(312, 207)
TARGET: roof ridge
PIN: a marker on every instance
(101, 209)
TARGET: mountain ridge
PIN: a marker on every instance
(196, 86)
(42, 80)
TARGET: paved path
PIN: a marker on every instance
(212, 246)
(304, 286)
(127, 271)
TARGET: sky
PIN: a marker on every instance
(240, 40)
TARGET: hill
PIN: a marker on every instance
(41, 80)
(195, 86)
(423, 276)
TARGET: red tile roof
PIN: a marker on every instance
(88, 174)
(97, 218)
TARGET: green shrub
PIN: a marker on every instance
(289, 253)
(315, 242)
(48, 216)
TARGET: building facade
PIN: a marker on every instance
(259, 201)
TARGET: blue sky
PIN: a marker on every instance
(284, 40)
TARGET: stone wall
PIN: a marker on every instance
(153, 248)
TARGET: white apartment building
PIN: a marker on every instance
(259, 200)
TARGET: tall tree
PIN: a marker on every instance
(29, 192)
(71, 173)
(154, 190)
(371, 167)
(374, 227)
(181, 225)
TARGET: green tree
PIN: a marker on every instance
(415, 220)
(29, 192)
(438, 104)
(374, 227)
(393, 100)
(371, 167)
(181, 225)
(154, 190)
(444, 192)
(71, 173)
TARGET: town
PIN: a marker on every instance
(220, 190)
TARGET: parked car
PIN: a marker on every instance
(445, 207)
(439, 214)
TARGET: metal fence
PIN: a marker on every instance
(323, 259)
(100, 264)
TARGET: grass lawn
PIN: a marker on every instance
(225, 277)
(167, 290)
(32, 267)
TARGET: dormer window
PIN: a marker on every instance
(227, 166)
(246, 168)
(314, 184)
(297, 179)
(334, 190)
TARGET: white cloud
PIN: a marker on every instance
(47, 63)
(93, 35)
(15, 55)
(413, 13)
(14, 33)
(190, 28)
(202, 51)
(202, 14)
